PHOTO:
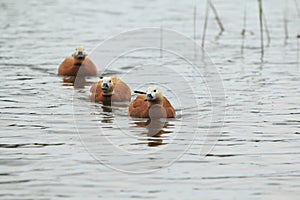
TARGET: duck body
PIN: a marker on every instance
(78, 62)
(151, 105)
(110, 89)
(70, 67)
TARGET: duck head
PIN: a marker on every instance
(154, 94)
(79, 53)
(107, 86)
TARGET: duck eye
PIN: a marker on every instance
(154, 90)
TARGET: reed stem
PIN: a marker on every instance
(216, 15)
(244, 29)
(205, 23)
(261, 28)
(285, 22)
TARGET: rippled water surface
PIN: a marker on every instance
(55, 144)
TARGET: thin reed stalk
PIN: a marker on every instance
(285, 24)
(205, 23)
(261, 28)
(218, 19)
(267, 30)
(244, 29)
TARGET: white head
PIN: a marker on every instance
(79, 52)
(107, 85)
(154, 93)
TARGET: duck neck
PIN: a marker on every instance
(156, 101)
(78, 62)
(107, 93)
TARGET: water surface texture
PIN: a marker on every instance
(55, 144)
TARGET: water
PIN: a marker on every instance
(55, 144)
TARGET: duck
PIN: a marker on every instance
(110, 89)
(70, 66)
(151, 104)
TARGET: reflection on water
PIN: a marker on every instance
(155, 131)
(106, 107)
(107, 117)
(76, 82)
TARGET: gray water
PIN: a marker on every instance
(55, 144)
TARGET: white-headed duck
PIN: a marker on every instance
(110, 89)
(70, 66)
(151, 104)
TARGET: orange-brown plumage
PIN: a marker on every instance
(116, 90)
(79, 60)
(160, 107)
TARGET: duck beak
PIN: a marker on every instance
(149, 97)
(80, 55)
(104, 86)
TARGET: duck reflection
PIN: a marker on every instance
(77, 82)
(155, 130)
(107, 112)
(106, 107)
